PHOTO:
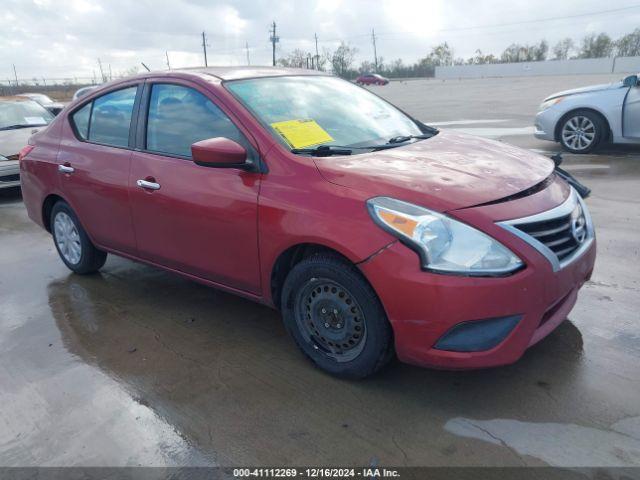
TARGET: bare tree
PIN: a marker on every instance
(597, 46)
(342, 59)
(563, 49)
(629, 45)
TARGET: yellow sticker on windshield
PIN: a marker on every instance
(302, 133)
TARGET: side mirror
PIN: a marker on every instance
(219, 152)
(631, 81)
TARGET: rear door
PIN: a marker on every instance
(197, 220)
(631, 114)
(93, 163)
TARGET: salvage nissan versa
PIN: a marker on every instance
(373, 233)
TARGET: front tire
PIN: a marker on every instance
(582, 131)
(72, 242)
(335, 317)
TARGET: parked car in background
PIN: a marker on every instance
(20, 117)
(373, 233)
(44, 100)
(371, 79)
(583, 118)
(81, 92)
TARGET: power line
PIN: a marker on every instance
(526, 22)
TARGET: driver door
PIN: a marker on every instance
(631, 114)
(198, 220)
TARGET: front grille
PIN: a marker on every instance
(556, 234)
(560, 234)
(10, 178)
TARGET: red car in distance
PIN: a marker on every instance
(371, 79)
(373, 233)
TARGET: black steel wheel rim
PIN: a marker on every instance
(330, 319)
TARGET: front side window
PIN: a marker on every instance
(347, 115)
(180, 116)
(111, 118)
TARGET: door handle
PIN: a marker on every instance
(148, 185)
(66, 169)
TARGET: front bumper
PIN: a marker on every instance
(9, 174)
(545, 124)
(423, 307)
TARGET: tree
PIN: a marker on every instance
(525, 53)
(342, 59)
(562, 49)
(440, 56)
(481, 59)
(596, 46)
(629, 45)
(295, 59)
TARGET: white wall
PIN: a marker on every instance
(551, 67)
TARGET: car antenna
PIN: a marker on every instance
(148, 69)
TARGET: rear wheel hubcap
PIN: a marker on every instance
(67, 238)
(331, 320)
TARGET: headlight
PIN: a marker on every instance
(445, 245)
(549, 103)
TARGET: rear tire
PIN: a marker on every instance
(72, 242)
(335, 317)
(582, 131)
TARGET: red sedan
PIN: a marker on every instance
(373, 233)
(372, 79)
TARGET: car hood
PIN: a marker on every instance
(589, 89)
(12, 141)
(446, 172)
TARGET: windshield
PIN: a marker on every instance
(306, 111)
(22, 113)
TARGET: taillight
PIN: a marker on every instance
(25, 151)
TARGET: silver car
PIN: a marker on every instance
(583, 118)
(19, 119)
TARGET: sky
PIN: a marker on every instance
(65, 39)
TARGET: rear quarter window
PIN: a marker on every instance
(80, 120)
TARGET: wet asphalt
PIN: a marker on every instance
(136, 366)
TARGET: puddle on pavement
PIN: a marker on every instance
(558, 444)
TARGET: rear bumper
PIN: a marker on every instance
(9, 174)
(422, 307)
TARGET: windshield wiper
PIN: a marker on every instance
(406, 138)
(22, 125)
(323, 151)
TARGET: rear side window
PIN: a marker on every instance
(180, 116)
(111, 117)
(107, 119)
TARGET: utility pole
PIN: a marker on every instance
(274, 39)
(246, 46)
(110, 76)
(375, 51)
(167, 55)
(317, 54)
(15, 74)
(204, 48)
(101, 71)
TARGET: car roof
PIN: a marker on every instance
(237, 73)
(15, 98)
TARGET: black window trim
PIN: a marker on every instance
(255, 163)
(132, 124)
